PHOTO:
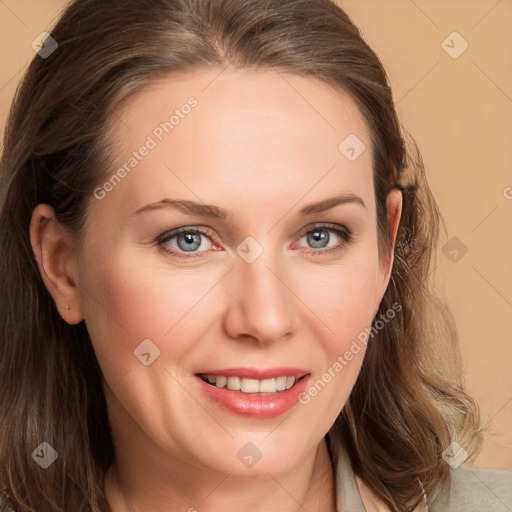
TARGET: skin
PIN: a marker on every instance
(261, 145)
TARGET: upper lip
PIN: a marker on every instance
(257, 373)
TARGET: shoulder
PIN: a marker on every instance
(472, 490)
(475, 490)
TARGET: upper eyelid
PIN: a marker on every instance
(324, 225)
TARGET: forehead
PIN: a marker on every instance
(247, 133)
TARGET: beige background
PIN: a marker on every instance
(460, 112)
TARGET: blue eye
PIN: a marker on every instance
(187, 242)
(320, 237)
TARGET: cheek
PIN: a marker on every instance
(343, 297)
(343, 300)
(127, 303)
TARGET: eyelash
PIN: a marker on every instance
(344, 233)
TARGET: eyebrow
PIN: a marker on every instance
(215, 212)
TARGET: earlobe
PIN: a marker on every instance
(55, 261)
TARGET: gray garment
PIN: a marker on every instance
(473, 490)
(478, 490)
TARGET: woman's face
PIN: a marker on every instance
(261, 286)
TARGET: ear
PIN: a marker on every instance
(394, 212)
(56, 262)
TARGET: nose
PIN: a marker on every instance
(261, 306)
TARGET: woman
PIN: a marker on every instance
(216, 249)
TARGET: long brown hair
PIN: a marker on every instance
(408, 403)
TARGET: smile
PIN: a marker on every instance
(253, 392)
(245, 385)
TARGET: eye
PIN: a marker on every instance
(186, 240)
(320, 236)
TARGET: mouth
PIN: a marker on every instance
(249, 385)
(254, 392)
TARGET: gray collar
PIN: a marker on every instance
(348, 498)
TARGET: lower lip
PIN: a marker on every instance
(255, 405)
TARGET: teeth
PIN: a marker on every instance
(267, 386)
(250, 385)
(234, 383)
(281, 383)
(220, 382)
